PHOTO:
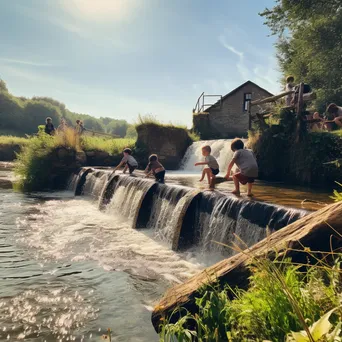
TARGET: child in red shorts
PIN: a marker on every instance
(247, 164)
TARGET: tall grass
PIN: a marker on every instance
(112, 146)
(282, 303)
(38, 162)
(150, 119)
(13, 140)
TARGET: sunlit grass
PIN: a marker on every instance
(284, 301)
(112, 146)
(12, 140)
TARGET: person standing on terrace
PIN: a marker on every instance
(49, 128)
(288, 87)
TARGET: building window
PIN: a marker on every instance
(247, 97)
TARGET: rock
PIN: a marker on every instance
(319, 231)
(81, 158)
(8, 152)
(169, 143)
(90, 154)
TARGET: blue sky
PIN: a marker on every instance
(119, 58)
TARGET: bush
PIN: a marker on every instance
(47, 161)
(281, 299)
(306, 162)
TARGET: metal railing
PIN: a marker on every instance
(202, 104)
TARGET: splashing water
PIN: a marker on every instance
(220, 149)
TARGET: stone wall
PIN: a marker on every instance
(168, 142)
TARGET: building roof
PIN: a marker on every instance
(237, 89)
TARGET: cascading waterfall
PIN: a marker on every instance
(213, 218)
(94, 183)
(184, 217)
(220, 149)
(73, 180)
(167, 205)
(127, 198)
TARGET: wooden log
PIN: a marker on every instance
(306, 98)
(271, 98)
(319, 231)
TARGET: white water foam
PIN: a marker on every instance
(126, 201)
(76, 230)
(220, 149)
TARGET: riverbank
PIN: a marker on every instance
(46, 162)
(307, 162)
(10, 146)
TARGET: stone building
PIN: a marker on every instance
(228, 117)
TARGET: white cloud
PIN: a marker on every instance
(100, 10)
(229, 47)
(27, 62)
(265, 75)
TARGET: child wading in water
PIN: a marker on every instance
(156, 168)
(213, 167)
(128, 161)
(247, 164)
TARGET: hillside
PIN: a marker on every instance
(21, 115)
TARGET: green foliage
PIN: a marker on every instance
(308, 47)
(11, 140)
(131, 132)
(307, 162)
(20, 116)
(112, 146)
(194, 136)
(337, 195)
(34, 163)
(45, 158)
(281, 300)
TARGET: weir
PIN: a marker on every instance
(182, 217)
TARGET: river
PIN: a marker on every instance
(70, 271)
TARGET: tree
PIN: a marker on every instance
(117, 127)
(131, 132)
(309, 45)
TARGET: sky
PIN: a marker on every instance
(121, 58)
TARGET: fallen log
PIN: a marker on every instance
(319, 231)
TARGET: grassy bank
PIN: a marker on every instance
(8, 140)
(10, 146)
(47, 161)
(111, 146)
(284, 302)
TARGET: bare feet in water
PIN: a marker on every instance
(250, 195)
(235, 192)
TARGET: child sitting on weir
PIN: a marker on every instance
(154, 167)
(247, 164)
(213, 167)
(128, 160)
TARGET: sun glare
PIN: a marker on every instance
(101, 9)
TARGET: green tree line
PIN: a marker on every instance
(309, 45)
(21, 115)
